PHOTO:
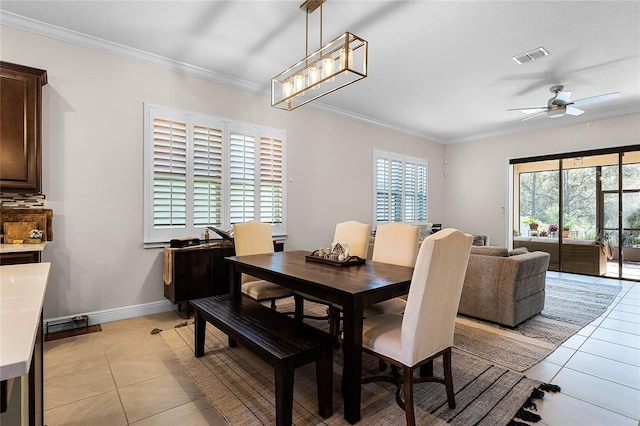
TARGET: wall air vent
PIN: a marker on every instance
(529, 56)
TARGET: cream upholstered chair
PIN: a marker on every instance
(395, 243)
(356, 234)
(425, 331)
(254, 237)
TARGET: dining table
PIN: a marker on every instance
(349, 286)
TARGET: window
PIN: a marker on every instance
(205, 171)
(401, 188)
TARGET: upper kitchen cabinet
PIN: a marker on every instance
(21, 128)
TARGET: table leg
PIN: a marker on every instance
(200, 327)
(235, 286)
(352, 370)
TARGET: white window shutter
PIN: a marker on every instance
(169, 173)
(271, 180)
(207, 175)
(400, 188)
(242, 192)
(204, 171)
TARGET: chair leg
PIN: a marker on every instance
(408, 396)
(334, 324)
(448, 378)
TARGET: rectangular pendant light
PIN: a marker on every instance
(337, 64)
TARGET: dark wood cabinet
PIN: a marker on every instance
(198, 272)
(20, 257)
(201, 271)
(21, 128)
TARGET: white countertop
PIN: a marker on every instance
(16, 248)
(22, 289)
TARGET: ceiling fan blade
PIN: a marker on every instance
(532, 116)
(563, 96)
(574, 111)
(529, 110)
(593, 99)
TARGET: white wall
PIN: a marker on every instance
(478, 171)
(93, 168)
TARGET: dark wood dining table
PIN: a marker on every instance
(351, 287)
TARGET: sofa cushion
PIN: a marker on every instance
(490, 251)
(517, 251)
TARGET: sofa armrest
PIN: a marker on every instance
(480, 290)
(522, 276)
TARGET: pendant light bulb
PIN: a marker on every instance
(314, 77)
(298, 84)
(287, 89)
(327, 67)
(346, 61)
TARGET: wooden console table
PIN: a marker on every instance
(200, 271)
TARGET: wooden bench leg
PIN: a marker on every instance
(200, 327)
(284, 394)
(298, 313)
(324, 379)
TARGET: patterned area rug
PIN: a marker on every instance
(240, 386)
(569, 306)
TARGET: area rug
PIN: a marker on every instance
(240, 386)
(569, 306)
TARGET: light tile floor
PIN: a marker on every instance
(598, 369)
(124, 375)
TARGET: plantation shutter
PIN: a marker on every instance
(242, 193)
(204, 171)
(396, 191)
(169, 173)
(415, 192)
(400, 187)
(383, 193)
(271, 177)
(207, 174)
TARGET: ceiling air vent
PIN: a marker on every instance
(529, 56)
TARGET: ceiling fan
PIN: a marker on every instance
(560, 104)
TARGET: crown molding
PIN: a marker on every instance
(84, 40)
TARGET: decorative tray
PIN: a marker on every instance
(351, 260)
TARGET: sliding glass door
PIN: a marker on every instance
(583, 209)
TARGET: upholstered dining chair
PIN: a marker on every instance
(357, 235)
(425, 331)
(254, 237)
(395, 243)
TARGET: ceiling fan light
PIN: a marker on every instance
(557, 112)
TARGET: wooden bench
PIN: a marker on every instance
(279, 340)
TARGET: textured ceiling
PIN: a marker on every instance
(437, 69)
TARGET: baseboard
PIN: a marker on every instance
(126, 312)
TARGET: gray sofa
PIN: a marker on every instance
(503, 287)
